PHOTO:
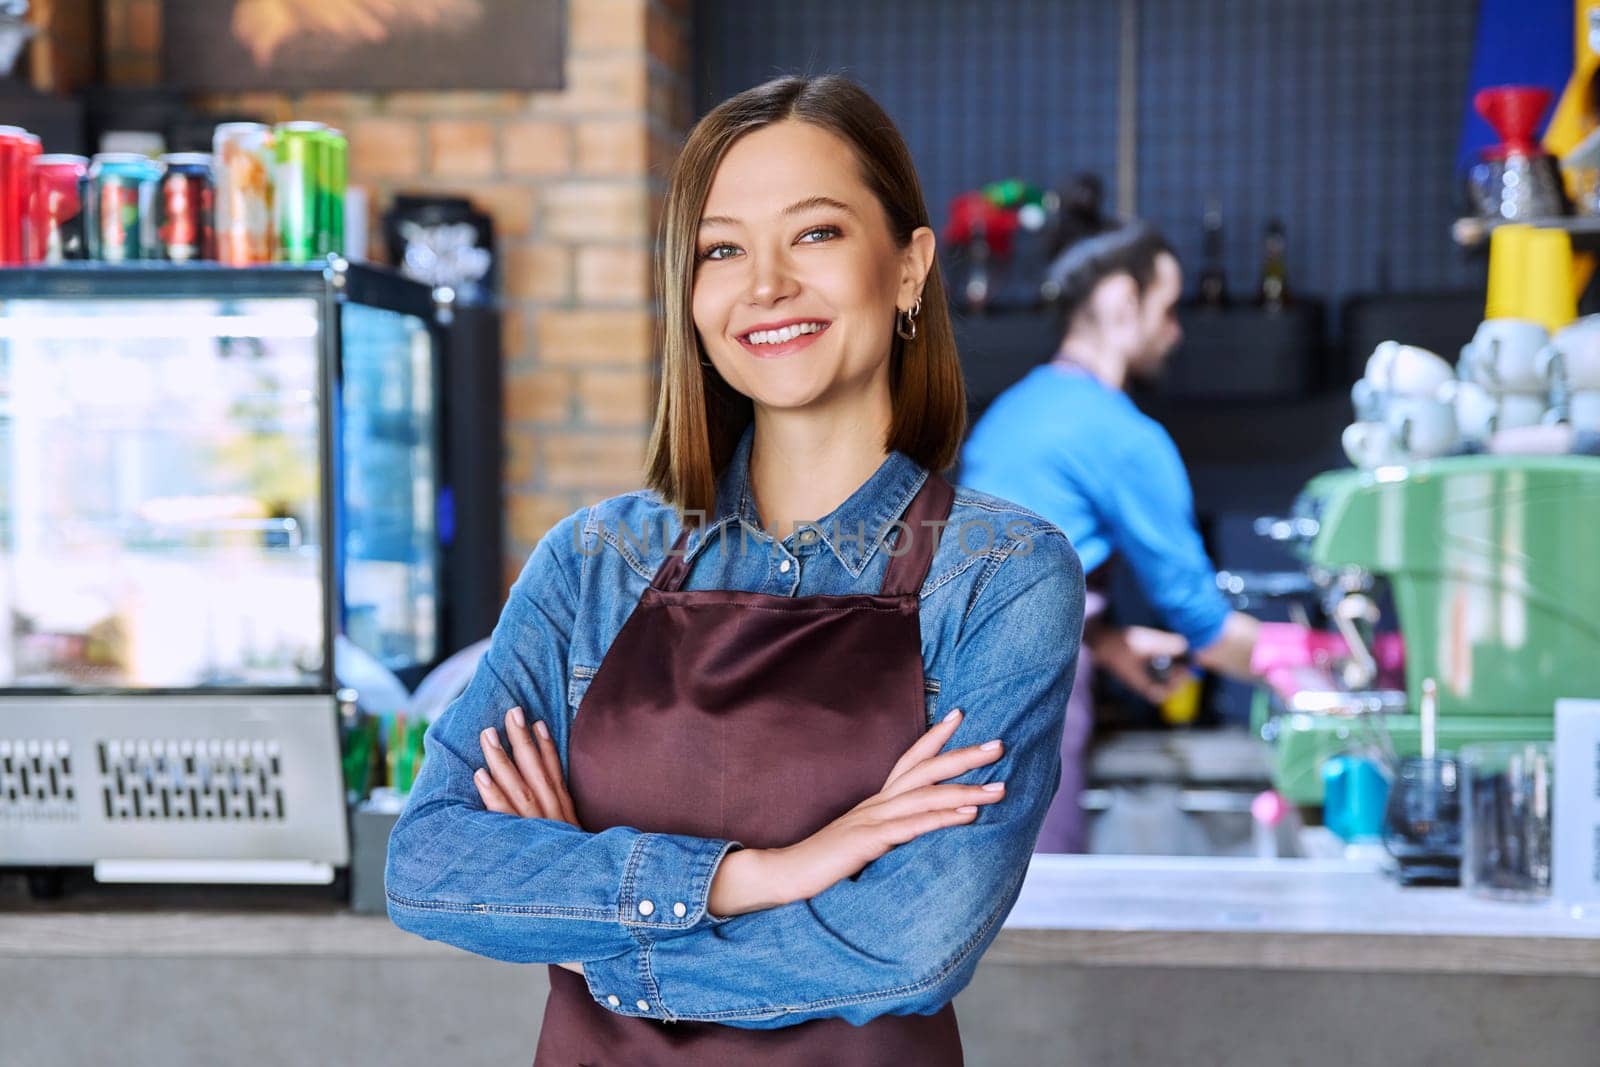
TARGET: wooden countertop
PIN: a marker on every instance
(1085, 911)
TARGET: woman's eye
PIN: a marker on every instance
(828, 233)
(719, 252)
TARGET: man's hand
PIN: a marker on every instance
(1131, 653)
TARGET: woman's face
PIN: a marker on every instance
(797, 279)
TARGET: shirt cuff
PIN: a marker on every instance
(666, 883)
(1203, 632)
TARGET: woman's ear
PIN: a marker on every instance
(915, 264)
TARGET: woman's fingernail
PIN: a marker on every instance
(994, 787)
(492, 736)
(955, 713)
(480, 776)
(544, 731)
(989, 746)
(516, 717)
(966, 809)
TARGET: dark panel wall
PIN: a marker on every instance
(980, 90)
(1340, 117)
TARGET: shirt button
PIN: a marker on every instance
(807, 536)
(783, 568)
(642, 1005)
(680, 909)
(614, 1001)
(646, 907)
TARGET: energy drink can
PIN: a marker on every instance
(120, 207)
(55, 209)
(332, 178)
(300, 147)
(243, 161)
(184, 227)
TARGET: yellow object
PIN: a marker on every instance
(1547, 292)
(1183, 706)
(1508, 265)
(1574, 117)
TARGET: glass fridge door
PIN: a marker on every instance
(390, 536)
(160, 493)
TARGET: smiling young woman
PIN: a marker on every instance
(774, 778)
(873, 205)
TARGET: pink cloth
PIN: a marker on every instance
(1293, 658)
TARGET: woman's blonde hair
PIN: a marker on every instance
(699, 417)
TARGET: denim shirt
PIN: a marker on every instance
(1001, 613)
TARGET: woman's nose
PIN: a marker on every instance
(771, 280)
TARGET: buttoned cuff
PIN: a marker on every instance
(666, 883)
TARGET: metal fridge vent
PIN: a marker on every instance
(36, 780)
(200, 779)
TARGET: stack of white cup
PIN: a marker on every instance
(1403, 407)
(1507, 359)
(1571, 364)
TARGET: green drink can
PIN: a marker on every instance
(300, 147)
(330, 191)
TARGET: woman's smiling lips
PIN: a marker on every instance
(773, 349)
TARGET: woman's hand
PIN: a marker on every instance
(915, 800)
(527, 780)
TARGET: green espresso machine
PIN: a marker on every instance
(1490, 565)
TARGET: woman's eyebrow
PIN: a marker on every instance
(810, 203)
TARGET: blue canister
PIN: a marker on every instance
(1355, 792)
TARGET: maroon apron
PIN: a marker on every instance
(760, 719)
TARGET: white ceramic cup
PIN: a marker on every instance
(1516, 410)
(1368, 444)
(1504, 356)
(1573, 356)
(1583, 410)
(1477, 412)
(1367, 401)
(1406, 370)
(1422, 427)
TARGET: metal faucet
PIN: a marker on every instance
(15, 32)
(1353, 609)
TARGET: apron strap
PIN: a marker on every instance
(671, 575)
(908, 570)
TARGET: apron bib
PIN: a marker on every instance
(760, 719)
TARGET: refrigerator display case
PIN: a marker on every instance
(207, 477)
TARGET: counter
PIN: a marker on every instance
(1104, 959)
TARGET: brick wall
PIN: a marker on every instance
(574, 180)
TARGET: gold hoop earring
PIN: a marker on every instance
(905, 322)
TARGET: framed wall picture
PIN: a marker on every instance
(236, 45)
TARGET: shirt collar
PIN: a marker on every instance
(867, 512)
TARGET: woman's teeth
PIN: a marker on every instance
(788, 333)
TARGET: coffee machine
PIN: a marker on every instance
(1485, 565)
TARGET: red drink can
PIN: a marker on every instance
(185, 208)
(18, 148)
(55, 209)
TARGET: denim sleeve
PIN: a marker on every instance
(529, 890)
(1150, 509)
(905, 935)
